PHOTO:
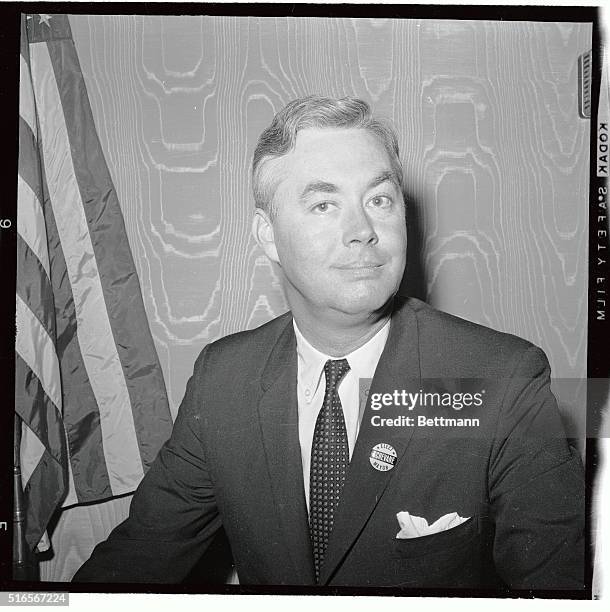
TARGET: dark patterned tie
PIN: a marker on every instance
(329, 461)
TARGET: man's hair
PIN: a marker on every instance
(313, 112)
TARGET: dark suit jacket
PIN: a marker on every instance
(234, 460)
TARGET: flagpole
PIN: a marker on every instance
(24, 563)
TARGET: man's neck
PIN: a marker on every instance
(337, 336)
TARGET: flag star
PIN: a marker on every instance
(44, 18)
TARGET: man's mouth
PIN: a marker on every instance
(360, 265)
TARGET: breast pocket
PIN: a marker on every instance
(434, 543)
(449, 559)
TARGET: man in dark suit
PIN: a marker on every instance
(311, 483)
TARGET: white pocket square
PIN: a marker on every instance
(416, 526)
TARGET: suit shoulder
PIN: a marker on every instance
(446, 336)
(243, 346)
(447, 325)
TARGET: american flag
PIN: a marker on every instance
(89, 390)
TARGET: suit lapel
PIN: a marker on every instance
(398, 368)
(278, 415)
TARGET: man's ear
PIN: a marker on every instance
(262, 230)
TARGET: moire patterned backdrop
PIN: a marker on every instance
(495, 153)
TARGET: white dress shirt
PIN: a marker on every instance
(311, 386)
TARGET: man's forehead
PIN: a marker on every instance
(324, 153)
(314, 136)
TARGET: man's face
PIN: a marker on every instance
(339, 232)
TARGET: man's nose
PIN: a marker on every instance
(358, 227)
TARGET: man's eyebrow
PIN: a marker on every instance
(382, 178)
(326, 187)
(318, 186)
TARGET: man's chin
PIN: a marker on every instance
(364, 305)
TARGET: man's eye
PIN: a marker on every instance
(321, 207)
(380, 201)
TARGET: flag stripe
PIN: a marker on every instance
(120, 285)
(42, 495)
(26, 96)
(32, 450)
(30, 169)
(36, 348)
(94, 332)
(23, 39)
(72, 495)
(31, 224)
(34, 288)
(38, 412)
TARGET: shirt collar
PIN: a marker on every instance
(363, 361)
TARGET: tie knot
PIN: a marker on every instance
(335, 370)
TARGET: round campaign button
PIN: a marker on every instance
(383, 457)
